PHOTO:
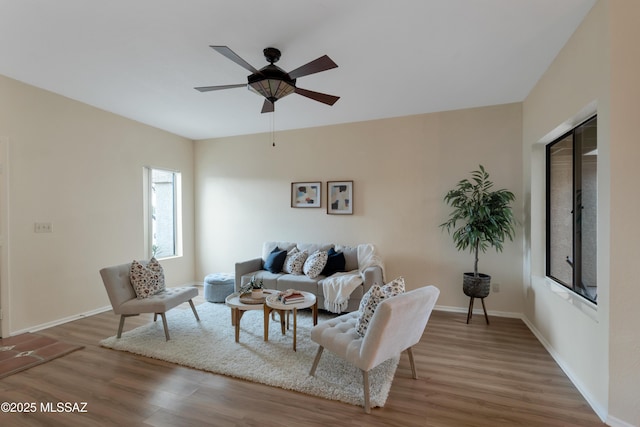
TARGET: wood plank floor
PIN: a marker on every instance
(470, 375)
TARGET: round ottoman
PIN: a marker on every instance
(218, 286)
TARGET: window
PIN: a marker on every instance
(162, 213)
(572, 166)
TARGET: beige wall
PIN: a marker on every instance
(401, 169)
(624, 339)
(573, 87)
(79, 168)
(597, 346)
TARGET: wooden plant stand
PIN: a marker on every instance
(470, 313)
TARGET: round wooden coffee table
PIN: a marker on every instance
(272, 304)
(238, 308)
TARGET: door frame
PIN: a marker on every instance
(5, 324)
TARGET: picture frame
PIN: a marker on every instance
(340, 197)
(306, 194)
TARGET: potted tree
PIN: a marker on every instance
(481, 218)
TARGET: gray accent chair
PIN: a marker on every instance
(397, 325)
(125, 302)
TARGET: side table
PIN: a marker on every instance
(238, 308)
(272, 304)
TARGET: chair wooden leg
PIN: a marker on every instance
(193, 307)
(122, 317)
(164, 323)
(485, 311)
(365, 381)
(121, 325)
(316, 361)
(470, 312)
(413, 365)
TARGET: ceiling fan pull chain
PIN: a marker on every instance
(273, 128)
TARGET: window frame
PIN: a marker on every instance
(148, 212)
(577, 188)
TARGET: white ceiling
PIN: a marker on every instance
(142, 58)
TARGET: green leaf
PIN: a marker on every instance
(485, 216)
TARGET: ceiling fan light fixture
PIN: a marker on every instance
(272, 82)
(272, 89)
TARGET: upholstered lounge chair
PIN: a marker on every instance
(125, 303)
(397, 324)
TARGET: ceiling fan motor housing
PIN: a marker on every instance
(271, 54)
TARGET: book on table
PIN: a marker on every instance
(291, 298)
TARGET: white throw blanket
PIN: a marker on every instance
(338, 287)
(367, 257)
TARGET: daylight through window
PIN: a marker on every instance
(163, 213)
(572, 166)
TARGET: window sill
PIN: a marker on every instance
(581, 304)
(166, 258)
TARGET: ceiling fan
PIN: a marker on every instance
(273, 82)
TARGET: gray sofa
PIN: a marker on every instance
(369, 274)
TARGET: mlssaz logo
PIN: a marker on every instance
(79, 407)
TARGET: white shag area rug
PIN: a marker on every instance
(210, 345)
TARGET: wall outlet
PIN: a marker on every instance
(42, 227)
(496, 287)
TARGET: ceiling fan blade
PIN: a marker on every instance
(225, 51)
(317, 96)
(210, 88)
(321, 64)
(267, 107)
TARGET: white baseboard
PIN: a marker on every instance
(200, 284)
(600, 411)
(478, 311)
(61, 321)
(614, 422)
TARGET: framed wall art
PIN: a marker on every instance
(340, 197)
(306, 194)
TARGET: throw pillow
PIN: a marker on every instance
(314, 265)
(368, 305)
(373, 298)
(295, 263)
(291, 253)
(275, 260)
(395, 287)
(155, 266)
(335, 262)
(147, 280)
